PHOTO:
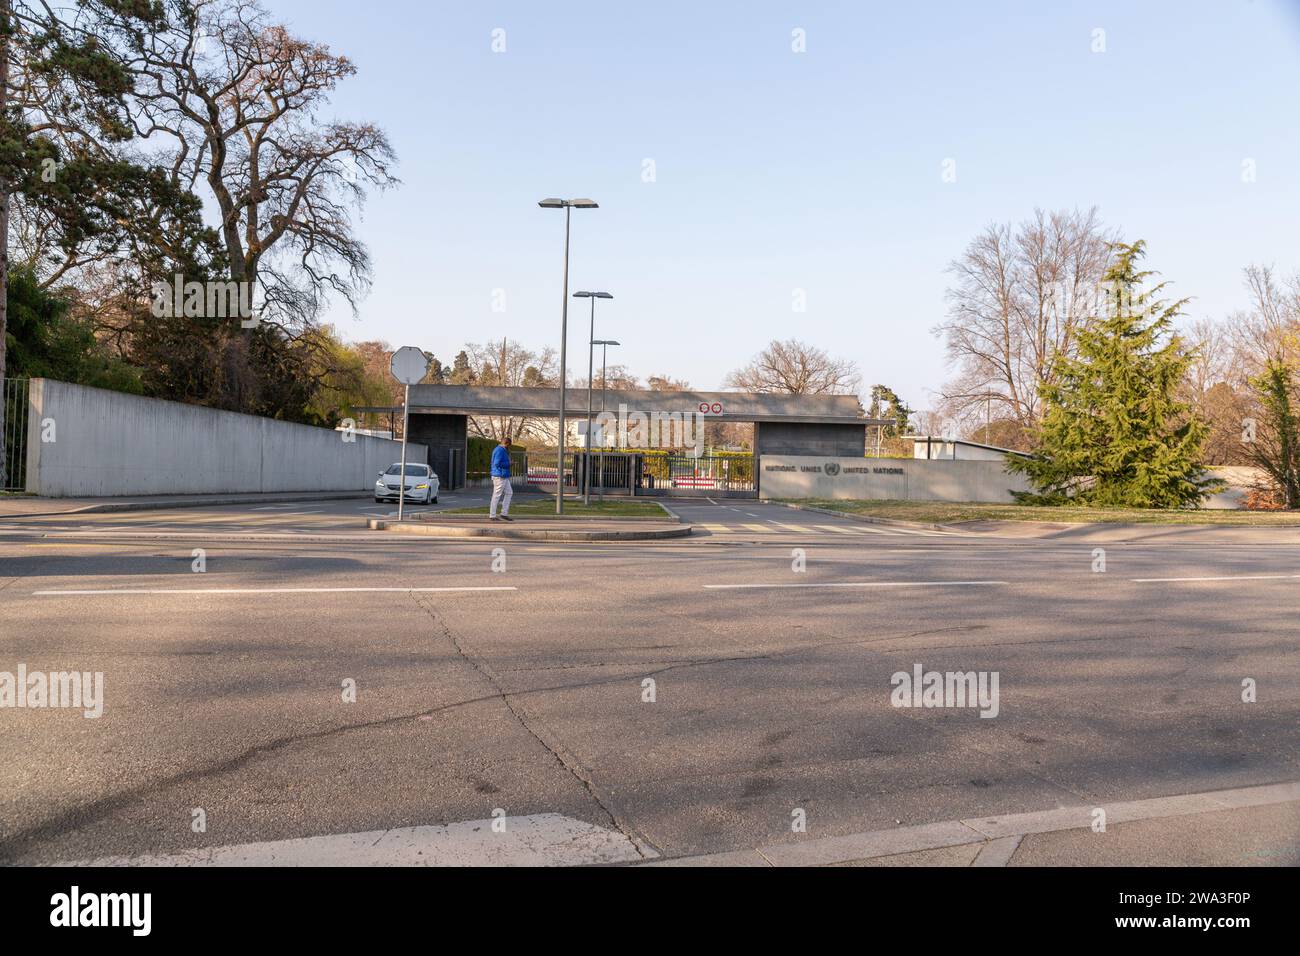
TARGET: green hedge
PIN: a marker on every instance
(478, 456)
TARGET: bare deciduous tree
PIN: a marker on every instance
(511, 364)
(1019, 296)
(1270, 328)
(240, 99)
(796, 368)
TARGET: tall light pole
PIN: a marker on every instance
(566, 205)
(591, 352)
(604, 344)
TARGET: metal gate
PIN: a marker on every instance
(539, 470)
(13, 434)
(730, 476)
(612, 472)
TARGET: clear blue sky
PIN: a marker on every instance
(818, 171)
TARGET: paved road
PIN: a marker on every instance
(772, 686)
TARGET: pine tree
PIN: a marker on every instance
(1276, 449)
(885, 403)
(1114, 433)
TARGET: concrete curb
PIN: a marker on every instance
(870, 519)
(529, 534)
(110, 506)
(443, 516)
(989, 831)
(676, 516)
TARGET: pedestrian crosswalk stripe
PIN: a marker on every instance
(777, 527)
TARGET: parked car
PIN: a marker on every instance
(421, 484)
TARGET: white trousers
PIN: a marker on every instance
(501, 492)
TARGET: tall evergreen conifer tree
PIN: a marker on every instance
(1114, 433)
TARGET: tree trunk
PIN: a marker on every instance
(4, 238)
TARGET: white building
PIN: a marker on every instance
(931, 448)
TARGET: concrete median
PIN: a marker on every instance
(537, 529)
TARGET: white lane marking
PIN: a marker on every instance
(268, 590)
(539, 839)
(854, 584)
(1226, 577)
(761, 528)
(831, 527)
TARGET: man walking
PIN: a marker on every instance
(501, 490)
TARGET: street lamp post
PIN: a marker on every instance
(604, 344)
(591, 354)
(566, 205)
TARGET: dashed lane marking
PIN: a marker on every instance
(1225, 577)
(852, 584)
(265, 590)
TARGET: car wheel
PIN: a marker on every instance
(433, 500)
(379, 501)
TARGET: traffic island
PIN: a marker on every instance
(554, 528)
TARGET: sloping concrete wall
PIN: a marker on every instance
(107, 443)
(901, 479)
(1240, 479)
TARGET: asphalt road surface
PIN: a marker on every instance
(708, 695)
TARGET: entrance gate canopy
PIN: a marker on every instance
(823, 425)
(722, 406)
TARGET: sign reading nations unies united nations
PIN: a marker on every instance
(833, 469)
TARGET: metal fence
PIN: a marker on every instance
(684, 474)
(13, 428)
(539, 470)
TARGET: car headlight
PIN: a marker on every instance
(418, 487)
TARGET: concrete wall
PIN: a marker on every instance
(107, 443)
(938, 448)
(789, 476)
(1240, 479)
(442, 435)
(809, 438)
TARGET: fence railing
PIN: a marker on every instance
(706, 473)
(540, 470)
(13, 432)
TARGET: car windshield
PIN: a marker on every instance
(420, 471)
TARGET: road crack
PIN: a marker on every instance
(562, 756)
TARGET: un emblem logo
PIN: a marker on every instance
(831, 469)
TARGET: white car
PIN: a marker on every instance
(421, 484)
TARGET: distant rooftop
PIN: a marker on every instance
(939, 440)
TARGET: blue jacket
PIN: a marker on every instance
(500, 462)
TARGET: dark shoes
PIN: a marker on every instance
(493, 518)
(507, 518)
